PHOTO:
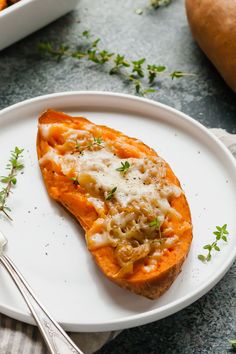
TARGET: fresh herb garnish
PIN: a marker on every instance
(221, 233)
(96, 142)
(111, 193)
(10, 180)
(124, 167)
(77, 146)
(75, 180)
(136, 72)
(154, 4)
(233, 343)
(179, 74)
(86, 34)
(119, 62)
(153, 71)
(155, 223)
(157, 3)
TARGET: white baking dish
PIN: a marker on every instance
(27, 16)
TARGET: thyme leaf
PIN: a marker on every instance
(86, 34)
(75, 181)
(124, 167)
(157, 3)
(155, 223)
(111, 193)
(96, 142)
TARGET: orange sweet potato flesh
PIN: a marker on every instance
(3, 4)
(212, 23)
(149, 284)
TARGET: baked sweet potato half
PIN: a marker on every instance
(130, 204)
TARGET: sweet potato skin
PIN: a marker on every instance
(212, 23)
(59, 187)
(151, 287)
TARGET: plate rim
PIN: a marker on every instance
(177, 305)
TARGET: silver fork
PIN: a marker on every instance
(57, 340)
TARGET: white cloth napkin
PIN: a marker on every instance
(20, 338)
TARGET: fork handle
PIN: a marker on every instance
(57, 340)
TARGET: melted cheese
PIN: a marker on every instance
(171, 240)
(98, 240)
(142, 194)
(45, 128)
(97, 203)
(70, 133)
(51, 155)
(102, 166)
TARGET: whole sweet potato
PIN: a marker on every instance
(213, 25)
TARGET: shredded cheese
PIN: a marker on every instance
(140, 195)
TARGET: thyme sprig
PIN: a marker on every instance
(221, 233)
(96, 142)
(14, 165)
(155, 223)
(154, 4)
(75, 181)
(110, 194)
(136, 72)
(124, 167)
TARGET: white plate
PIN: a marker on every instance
(27, 16)
(48, 245)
